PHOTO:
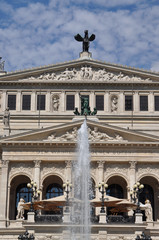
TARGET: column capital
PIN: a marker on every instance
(5, 163)
(68, 164)
(100, 164)
(37, 163)
(132, 164)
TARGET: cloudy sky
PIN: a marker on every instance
(41, 32)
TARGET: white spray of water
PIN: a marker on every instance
(80, 214)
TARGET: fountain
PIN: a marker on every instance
(80, 211)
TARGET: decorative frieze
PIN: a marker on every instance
(52, 168)
(88, 73)
(116, 169)
(21, 168)
(148, 170)
(93, 135)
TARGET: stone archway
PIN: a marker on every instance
(150, 192)
(18, 186)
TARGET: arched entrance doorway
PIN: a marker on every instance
(150, 192)
(18, 190)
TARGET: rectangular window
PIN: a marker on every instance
(70, 102)
(143, 103)
(40, 102)
(12, 102)
(26, 104)
(128, 102)
(100, 102)
(156, 103)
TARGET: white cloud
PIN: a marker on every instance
(40, 34)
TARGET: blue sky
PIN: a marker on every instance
(40, 32)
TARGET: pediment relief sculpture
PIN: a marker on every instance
(93, 135)
(88, 73)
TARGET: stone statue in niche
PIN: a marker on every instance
(55, 103)
(114, 103)
(6, 118)
(20, 209)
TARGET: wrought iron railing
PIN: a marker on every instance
(120, 219)
(48, 218)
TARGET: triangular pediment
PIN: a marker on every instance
(82, 70)
(67, 133)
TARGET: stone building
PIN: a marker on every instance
(39, 134)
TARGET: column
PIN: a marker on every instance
(77, 100)
(62, 102)
(18, 101)
(121, 102)
(132, 176)
(92, 100)
(33, 101)
(37, 173)
(68, 171)
(136, 102)
(151, 102)
(48, 102)
(4, 100)
(4, 193)
(100, 175)
(106, 102)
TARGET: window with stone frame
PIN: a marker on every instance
(12, 101)
(128, 102)
(26, 102)
(100, 102)
(156, 103)
(143, 103)
(40, 102)
(70, 102)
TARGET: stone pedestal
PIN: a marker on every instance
(66, 235)
(85, 55)
(138, 218)
(31, 217)
(66, 217)
(149, 223)
(78, 118)
(102, 218)
(6, 131)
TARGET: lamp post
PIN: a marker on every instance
(34, 193)
(102, 189)
(26, 236)
(67, 187)
(135, 194)
(143, 237)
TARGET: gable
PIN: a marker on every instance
(97, 132)
(90, 71)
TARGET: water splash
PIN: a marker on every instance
(80, 214)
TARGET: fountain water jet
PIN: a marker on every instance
(80, 214)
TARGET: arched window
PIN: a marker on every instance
(54, 190)
(22, 192)
(115, 190)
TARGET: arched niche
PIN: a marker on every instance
(18, 189)
(150, 192)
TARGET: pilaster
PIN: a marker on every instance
(33, 101)
(121, 102)
(132, 175)
(48, 101)
(136, 102)
(18, 101)
(37, 173)
(106, 102)
(151, 102)
(4, 193)
(68, 170)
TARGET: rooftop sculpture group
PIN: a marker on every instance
(85, 40)
(85, 108)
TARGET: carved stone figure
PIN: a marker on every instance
(20, 209)
(148, 210)
(114, 104)
(85, 40)
(6, 117)
(55, 103)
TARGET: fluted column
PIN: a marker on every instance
(37, 173)
(4, 193)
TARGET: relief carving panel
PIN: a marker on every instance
(18, 168)
(52, 168)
